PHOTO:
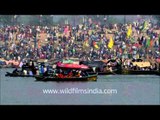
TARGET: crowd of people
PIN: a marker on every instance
(88, 41)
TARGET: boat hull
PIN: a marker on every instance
(133, 72)
(128, 72)
(17, 75)
(89, 78)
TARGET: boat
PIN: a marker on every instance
(67, 77)
(17, 75)
(106, 73)
(51, 78)
(140, 72)
(99, 66)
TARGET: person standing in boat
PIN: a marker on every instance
(41, 69)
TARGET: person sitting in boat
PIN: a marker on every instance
(33, 68)
(46, 71)
(60, 73)
(78, 74)
(41, 69)
(70, 74)
(73, 73)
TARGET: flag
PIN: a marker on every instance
(85, 43)
(151, 43)
(66, 30)
(95, 45)
(148, 42)
(145, 25)
(111, 43)
(132, 40)
(129, 32)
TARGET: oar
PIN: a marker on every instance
(113, 73)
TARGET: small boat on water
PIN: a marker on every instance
(140, 72)
(105, 73)
(17, 75)
(72, 75)
(141, 68)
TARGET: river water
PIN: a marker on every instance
(126, 90)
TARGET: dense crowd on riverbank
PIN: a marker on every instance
(89, 41)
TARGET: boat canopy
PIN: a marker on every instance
(72, 66)
(142, 64)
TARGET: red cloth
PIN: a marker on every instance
(94, 43)
(75, 66)
(60, 76)
(151, 43)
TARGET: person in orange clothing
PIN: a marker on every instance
(70, 74)
(60, 75)
(79, 73)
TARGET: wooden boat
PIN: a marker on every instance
(50, 78)
(140, 72)
(128, 72)
(17, 75)
(107, 73)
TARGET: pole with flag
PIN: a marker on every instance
(111, 43)
(129, 32)
(148, 42)
(95, 45)
(145, 26)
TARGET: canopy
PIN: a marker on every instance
(70, 61)
(93, 63)
(67, 61)
(73, 66)
(142, 64)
